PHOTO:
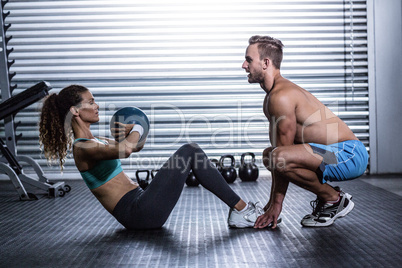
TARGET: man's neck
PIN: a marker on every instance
(270, 81)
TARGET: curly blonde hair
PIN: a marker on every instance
(55, 133)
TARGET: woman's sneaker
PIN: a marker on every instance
(245, 219)
(324, 213)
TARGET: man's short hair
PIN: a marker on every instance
(268, 47)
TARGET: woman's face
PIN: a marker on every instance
(88, 109)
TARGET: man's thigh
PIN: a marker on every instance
(295, 157)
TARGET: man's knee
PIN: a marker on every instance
(274, 159)
(267, 157)
(267, 151)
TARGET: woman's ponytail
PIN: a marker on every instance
(55, 134)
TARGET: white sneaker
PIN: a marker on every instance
(245, 219)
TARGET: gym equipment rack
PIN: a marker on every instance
(10, 160)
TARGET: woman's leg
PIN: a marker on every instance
(160, 197)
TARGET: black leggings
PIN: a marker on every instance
(150, 208)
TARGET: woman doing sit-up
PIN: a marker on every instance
(69, 115)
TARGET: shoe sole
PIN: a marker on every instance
(247, 226)
(342, 214)
(233, 226)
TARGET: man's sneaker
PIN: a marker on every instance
(245, 219)
(324, 214)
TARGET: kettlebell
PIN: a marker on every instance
(143, 182)
(192, 180)
(248, 171)
(216, 162)
(228, 172)
(153, 172)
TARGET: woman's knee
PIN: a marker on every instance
(190, 146)
(188, 152)
(189, 149)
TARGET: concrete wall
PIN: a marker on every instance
(385, 85)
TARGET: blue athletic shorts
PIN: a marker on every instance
(341, 161)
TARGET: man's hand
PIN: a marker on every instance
(120, 131)
(270, 216)
(267, 206)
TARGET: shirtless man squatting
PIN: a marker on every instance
(310, 144)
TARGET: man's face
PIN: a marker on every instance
(253, 65)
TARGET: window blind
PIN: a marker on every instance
(180, 62)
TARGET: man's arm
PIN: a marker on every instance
(282, 109)
(284, 132)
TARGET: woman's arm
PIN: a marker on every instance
(110, 141)
(96, 150)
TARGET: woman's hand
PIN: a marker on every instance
(121, 131)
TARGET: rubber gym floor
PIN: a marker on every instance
(75, 231)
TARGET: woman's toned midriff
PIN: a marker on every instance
(110, 193)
